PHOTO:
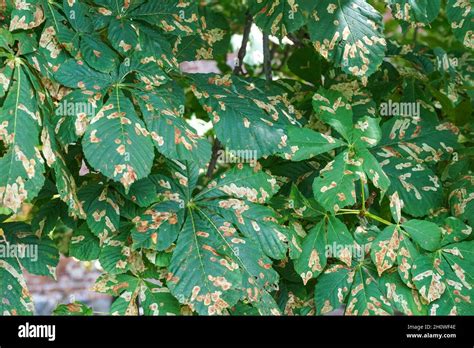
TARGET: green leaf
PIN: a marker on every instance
(305, 143)
(84, 245)
(457, 266)
(334, 188)
(200, 276)
(415, 11)
(279, 18)
(172, 136)
(312, 260)
(444, 279)
(419, 188)
(249, 116)
(117, 143)
(38, 256)
(384, 248)
(97, 54)
(350, 34)
(245, 182)
(256, 222)
(14, 294)
(366, 296)
(75, 74)
(402, 298)
(73, 309)
(421, 139)
(396, 205)
(158, 227)
(116, 256)
(426, 234)
(407, 253)
(22, 165)
(26, 15)
(460, 199)
(460, 14)
(332, 288)
(102, 210)
(454, 230)
(173, 17)
(211, 40)
(132, 292)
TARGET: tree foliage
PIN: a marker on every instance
(347, 173)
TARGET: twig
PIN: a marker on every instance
(216, 147)
(267, 58)
(238, 69)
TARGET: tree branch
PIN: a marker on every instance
(238, 69)
(267, 58)
(216, 147)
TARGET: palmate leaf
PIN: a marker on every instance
(350, 34)
(247, 114)
(415, 11)
(117, 143)
(22, 165)
(91, 47)
(460, 14)
(280, 18)
(224, 237)
(335, 188)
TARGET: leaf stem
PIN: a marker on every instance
(377, 218)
